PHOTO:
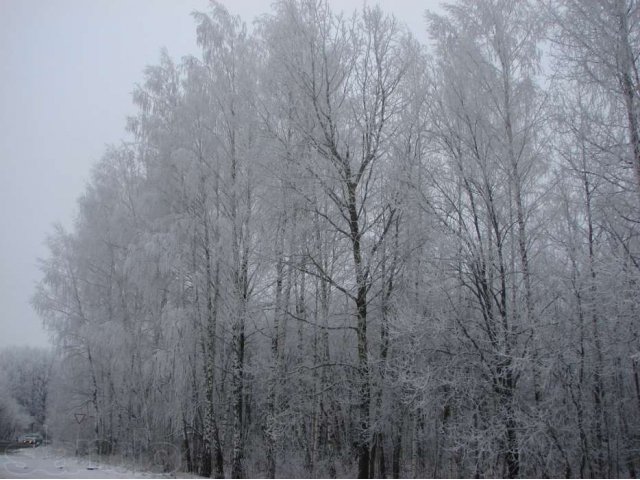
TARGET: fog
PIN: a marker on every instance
(68, 69)
(327, 248)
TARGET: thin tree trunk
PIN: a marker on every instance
(627, 74)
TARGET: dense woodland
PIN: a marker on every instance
(327, 249)
(24, 386)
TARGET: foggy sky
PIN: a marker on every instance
(67, 70)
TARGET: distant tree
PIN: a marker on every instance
(25, 373)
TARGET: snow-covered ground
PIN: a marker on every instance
(52, 462)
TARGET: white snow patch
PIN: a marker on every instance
(51, 462)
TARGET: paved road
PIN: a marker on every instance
(49, 462)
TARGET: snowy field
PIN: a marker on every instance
(50, 462)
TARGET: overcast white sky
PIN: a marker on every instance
(67, 69)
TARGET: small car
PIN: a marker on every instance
(33, 439)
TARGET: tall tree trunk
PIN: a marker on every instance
(237, 392)
(397, 454)
(598, 379)
(627, 74)
(364, 387)
(516, 183)
(212, 442)
(276, 356)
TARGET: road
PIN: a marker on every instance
(51, 462)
